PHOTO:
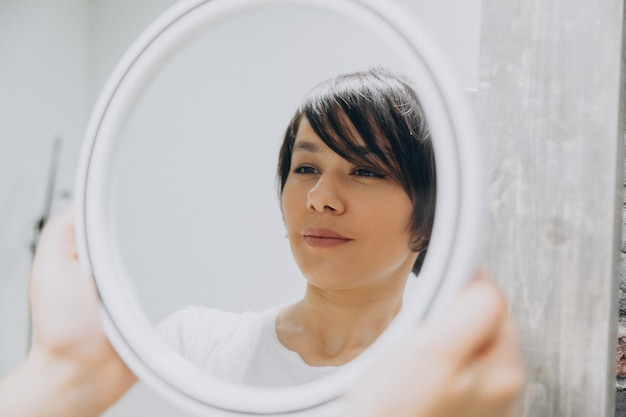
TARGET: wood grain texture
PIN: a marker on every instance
(549, 110)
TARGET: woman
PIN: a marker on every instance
(357, 185)
(465, 364)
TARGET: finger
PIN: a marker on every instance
(56, 246)
(56, 273)
(61, 229)
(473, 321)
(501, 368)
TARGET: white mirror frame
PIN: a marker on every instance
(454, 246)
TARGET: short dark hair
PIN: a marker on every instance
(380, 109)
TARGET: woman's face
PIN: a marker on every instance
(347, 224)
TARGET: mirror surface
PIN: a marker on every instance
(194, 178)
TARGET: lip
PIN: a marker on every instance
(321, 237)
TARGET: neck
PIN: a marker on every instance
(332, 327)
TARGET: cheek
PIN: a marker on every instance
(393, 220)
(391, 229)
(290, 202)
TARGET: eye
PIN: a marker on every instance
(305, 169)
(368, 173)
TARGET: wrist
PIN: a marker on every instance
(43, 386)
(69, 388)
(51, 384)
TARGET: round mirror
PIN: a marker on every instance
(180, 216)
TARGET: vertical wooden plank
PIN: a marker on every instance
(548, 102)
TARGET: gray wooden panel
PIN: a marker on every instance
(548, 106)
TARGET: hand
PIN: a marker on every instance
(71, 368)
(464, 364)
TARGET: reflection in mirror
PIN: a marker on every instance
(259, 280)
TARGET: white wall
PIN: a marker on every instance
(55, 58)
(43, 80)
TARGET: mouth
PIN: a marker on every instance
(324, 238)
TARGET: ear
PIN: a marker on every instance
(420, 244)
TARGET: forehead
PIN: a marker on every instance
(305, 131)
(306, 139)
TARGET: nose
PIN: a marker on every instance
(325, 196)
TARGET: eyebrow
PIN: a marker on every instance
(313, 147)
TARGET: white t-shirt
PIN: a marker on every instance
(242, 348)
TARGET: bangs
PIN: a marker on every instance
(354, 132)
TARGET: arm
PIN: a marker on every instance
(71, 369)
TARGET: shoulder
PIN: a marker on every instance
(193, 319)
(205, 326)
(217, 341)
